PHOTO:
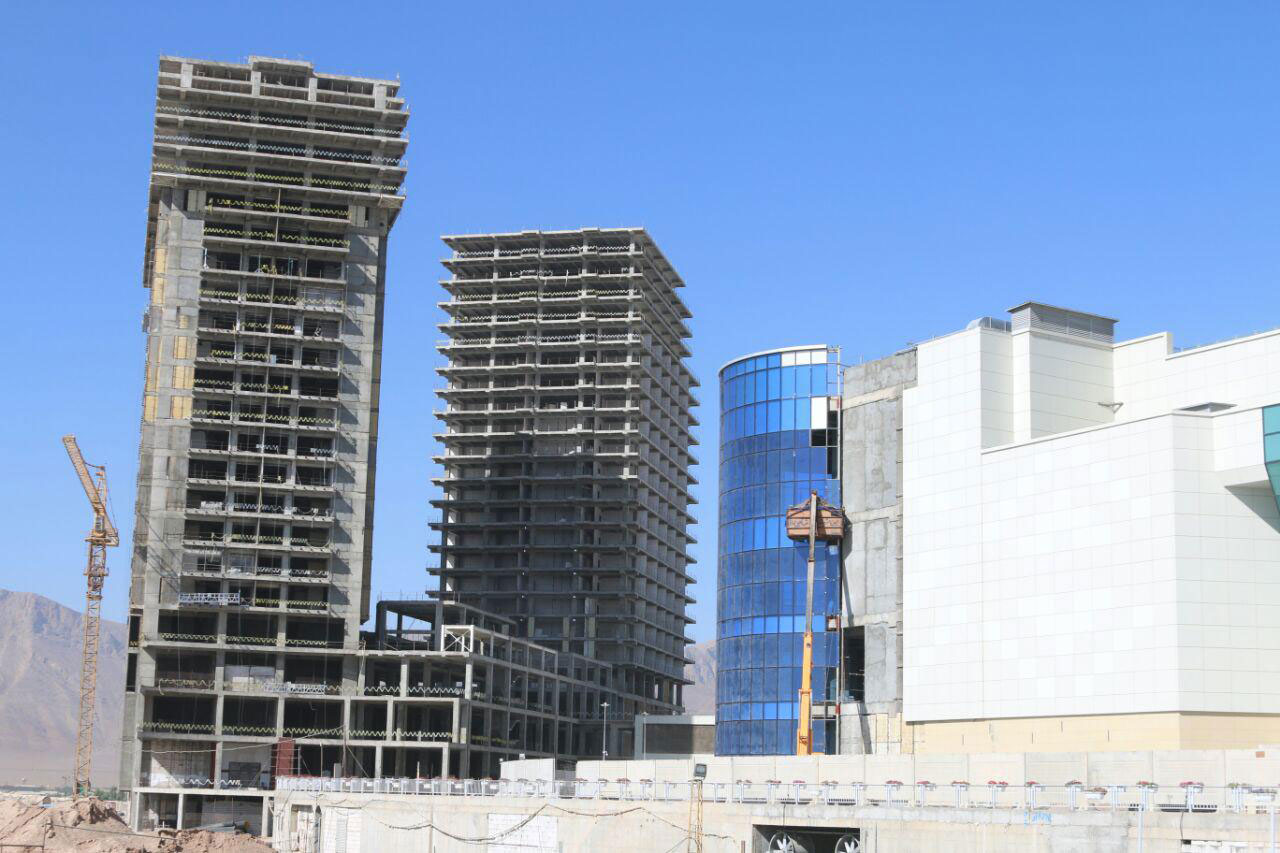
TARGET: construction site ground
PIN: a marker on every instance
(94, 826)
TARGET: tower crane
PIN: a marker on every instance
(102, 535)
(812, 520)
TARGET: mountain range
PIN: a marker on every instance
(40, 644)
(700, 697)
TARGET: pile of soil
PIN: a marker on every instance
(92, 826)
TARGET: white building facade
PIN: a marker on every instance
(1091, 545)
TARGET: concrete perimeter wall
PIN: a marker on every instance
(380, 823)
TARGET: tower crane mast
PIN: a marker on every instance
(101, 536)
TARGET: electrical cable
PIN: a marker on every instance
(521, 824)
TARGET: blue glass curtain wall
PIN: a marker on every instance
(778, 441)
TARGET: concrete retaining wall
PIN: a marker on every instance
(365, 823)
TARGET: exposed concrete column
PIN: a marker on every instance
(346, 731)
(353, 674)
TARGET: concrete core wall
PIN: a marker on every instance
(871, 593)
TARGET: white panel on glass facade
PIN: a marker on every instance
(818, 408)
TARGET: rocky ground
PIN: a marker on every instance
(92, 826)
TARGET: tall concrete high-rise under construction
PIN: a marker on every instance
(567, 442)
(273, 190)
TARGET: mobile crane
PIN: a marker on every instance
(102, 535)
(813, 520)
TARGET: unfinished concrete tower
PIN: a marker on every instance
(273, 189)
(567, 443)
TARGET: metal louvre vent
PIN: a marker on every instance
(1035, 315)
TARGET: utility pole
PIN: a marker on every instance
(695, 808)
(604, 737)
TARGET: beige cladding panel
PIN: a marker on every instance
(183, 376)
(1095, 733)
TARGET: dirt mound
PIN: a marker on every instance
(92, 826)
(87, 825)
(203, 841)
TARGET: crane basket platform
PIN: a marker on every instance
(830, 526)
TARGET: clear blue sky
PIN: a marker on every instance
(861, 174)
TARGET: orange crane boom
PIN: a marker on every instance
(102, 536)
(813, 522)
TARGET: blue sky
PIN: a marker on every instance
(861, 174)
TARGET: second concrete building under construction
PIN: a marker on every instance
(565, 503)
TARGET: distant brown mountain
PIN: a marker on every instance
(40, 692)
(700, 697)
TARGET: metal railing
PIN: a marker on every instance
(220, 599)
(197, 781)
(246, 117)
(1237, 798)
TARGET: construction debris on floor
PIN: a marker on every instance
(93, 826)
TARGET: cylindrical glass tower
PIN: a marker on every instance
(779, 440)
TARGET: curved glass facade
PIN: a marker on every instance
(779, 439)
